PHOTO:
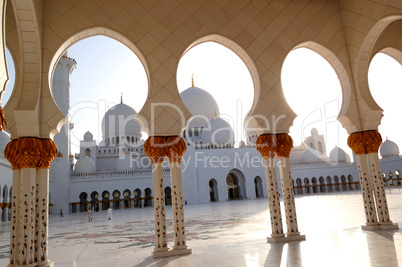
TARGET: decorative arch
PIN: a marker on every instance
(95, 201)
(299, 186)
(116, 199)
(258, 187)
(137, 198)
(127, 198)
(239, 51)
(373, 113)
(148, 197)
(236, 184)
(322, 184)
(307, 185)
(344, 79)
(213, 190)
(83, 202)
(314, 185)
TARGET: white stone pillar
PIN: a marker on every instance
(367, 192)
(177, 207)
(379, 193)
(273, 200)
(159, 209)
(26, 224)
(42, 217)
(15, 214)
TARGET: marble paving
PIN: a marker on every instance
(229, 233)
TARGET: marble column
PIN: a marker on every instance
(284, 144)
(365, 146)
(154, 147)
(30, 159)
(266, 146)
(176, 147)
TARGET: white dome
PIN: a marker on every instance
(119, 121)
(311, 156)
(338, 155)
(88, 136)
(201, 104)
(389, 149)
(85, 165)
(124, 164)
(314, 131)
(4, 139)
(217, 132)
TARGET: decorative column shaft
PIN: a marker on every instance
(365, 146)
(283, 148)
(266, 146)
(154, 147)
(30, 159)
(176, 147)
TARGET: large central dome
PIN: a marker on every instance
(200, 103)
(119, 121)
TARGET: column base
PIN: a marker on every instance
(288, 238)
(391, 226)
(171, 252)
(25, 265)
(46, 263)
(371, 226)
(380, 226)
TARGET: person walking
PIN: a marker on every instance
(61, 213)
(89, 215)
(109, 213)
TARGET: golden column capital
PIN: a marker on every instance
(266, 145)
(365, 142)
(31, 152)
(176, 147)
(373, 141)
(155, 148)
(284, 145)
(3, 121)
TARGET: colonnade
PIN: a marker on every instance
(270, 145)
(157, 148)
(365, 145)
(30, 159)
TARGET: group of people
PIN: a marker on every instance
(109, 214)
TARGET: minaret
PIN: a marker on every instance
(61, 167)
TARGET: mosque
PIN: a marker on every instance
(116, 172)
(203, 163)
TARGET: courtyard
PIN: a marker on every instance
(231, 233)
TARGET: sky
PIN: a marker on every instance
(106, 69)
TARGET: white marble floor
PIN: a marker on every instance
(228, 234)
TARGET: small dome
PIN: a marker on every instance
(88, 136)
(125, 164)
(311, 156)
(200, 103)
(217, 132)
(4, 139)
(314, 131)
(85, 165)
(119, 121)
(338, 155)
(389, 149)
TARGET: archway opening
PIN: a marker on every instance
(116, 199)
(148, 197)
(11, 76)
(314, 185)
(307, 185)
(385, 81)
(137, 198)
(329, 184)
(258, 187)
(127, 199)
(322, 184)
(233, 187)
(168, 195)
(299, 186)
(336, 182)
(222, 73)
(213, 190)
(304, 75)
(95, 201)
(105, 200)
(83, 202)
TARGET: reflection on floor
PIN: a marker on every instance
(229, 233)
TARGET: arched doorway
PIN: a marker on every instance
(329, 184)
(343, 182)
(233, 187)
(168, 195)
(116, 199)
(148, 197)
(213, 190)
(307, 185)
(95, 201)
(398, 179)
(83, 202)
(137, 198)
(314, 182)
(127, 199)
(336, 182)
(299, 186)
(390, 179)
(322, 184)
(258, 187)
(350, 182)
(105, 200)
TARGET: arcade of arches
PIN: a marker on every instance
(346, 33)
